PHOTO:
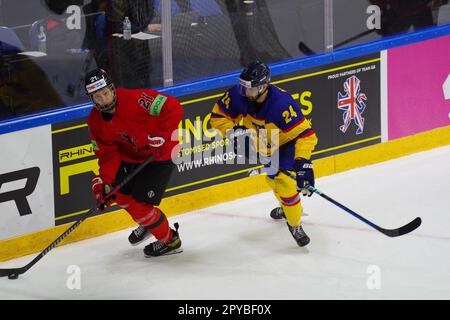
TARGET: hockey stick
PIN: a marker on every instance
(306, 50)
(407, 228)
(14, 273)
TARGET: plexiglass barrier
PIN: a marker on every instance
(357, 21)
(47, 46)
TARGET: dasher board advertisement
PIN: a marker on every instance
(341, 101)
(26, 183)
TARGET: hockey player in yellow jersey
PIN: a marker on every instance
(276, 126)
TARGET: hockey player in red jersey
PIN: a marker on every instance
(126, 127)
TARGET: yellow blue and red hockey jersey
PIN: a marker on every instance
(286, 129)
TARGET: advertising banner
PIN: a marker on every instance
(418, 87)
(26, 185)
(341, 101)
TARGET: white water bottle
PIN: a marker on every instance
(126, 29)
(42, 40)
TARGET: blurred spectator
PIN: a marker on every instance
(254, 31)
(179, 8)
(95, 36)
(59, 37)
(60, 6)
(129, 60)
(398, 16)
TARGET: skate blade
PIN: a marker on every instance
(166, 254)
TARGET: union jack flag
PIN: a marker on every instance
(352, 102)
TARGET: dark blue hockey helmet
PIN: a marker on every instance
(255, 75)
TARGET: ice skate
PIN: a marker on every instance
(159, 248)
(139, 235)
(299, 235)
(277, 213)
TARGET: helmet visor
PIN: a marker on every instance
(246, 89)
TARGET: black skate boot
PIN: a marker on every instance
(277, 213)
(159, 248)
(299, 235)
(138, 235)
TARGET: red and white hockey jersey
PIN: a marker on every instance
(140, 114)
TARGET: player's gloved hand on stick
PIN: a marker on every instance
(100, 191)
(242, 141)
(305, 175)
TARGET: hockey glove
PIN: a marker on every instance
(305, 175)
(100, 191)
(242, 141)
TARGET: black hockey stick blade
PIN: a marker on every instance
(12, 273)
(407, 228)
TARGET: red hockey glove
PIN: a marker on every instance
(100, 191)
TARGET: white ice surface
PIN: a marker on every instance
(235, 251)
